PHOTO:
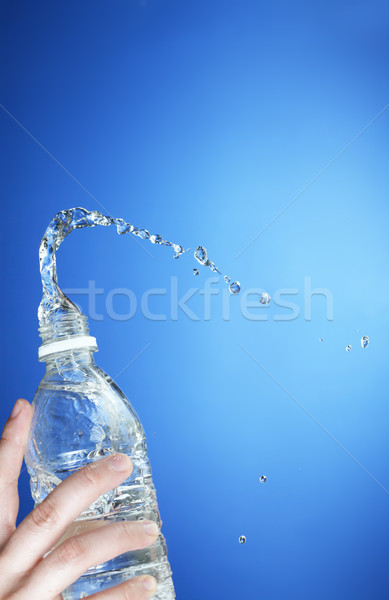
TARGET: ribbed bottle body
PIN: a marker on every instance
(80, 416)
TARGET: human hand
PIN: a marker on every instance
(25, 574)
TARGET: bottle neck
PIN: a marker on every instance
(62, 324)
(65, 333)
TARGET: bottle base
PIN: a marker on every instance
(93, 583)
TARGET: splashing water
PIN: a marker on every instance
(364, 341)
(54, 301)
(196, 272)
(348, 348)
(263, 479)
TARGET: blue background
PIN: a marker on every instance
(201, 121)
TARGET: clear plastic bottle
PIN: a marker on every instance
(80, 415)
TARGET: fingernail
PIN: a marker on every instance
(16, 409)
(150, 528)
(149, 583)
(120, 463)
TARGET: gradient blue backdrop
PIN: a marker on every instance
(201, 121)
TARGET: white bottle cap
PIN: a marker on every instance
(72, 343)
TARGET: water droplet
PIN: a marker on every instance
(227, 279)
(235, 287)
(200, 255)
(196, 271)
(212, 266)
(263, 479)
(348, 348)
(178, 249)
(176, 255)
(320, 339)
(264, 298)
(242, 539)
(364, 341)
(156, 239)
(143, 233)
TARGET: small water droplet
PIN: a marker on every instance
(348, 348)
(235, 287)
(156, 239)
(227, 279)
(364, 341)
(242, 539)
(213, 267)
(200, 255)
(263, 479)
(320, 339)
(176, 255)
(264, 298)
(178, 249)
(196, 271)
(143, 233)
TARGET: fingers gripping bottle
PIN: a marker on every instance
(80, 416)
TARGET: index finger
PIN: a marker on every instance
(43, 527)
(12, 447)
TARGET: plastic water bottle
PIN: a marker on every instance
(80, 415)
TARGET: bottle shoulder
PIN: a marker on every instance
(78, 418)
(86, 381)
(72, 375)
